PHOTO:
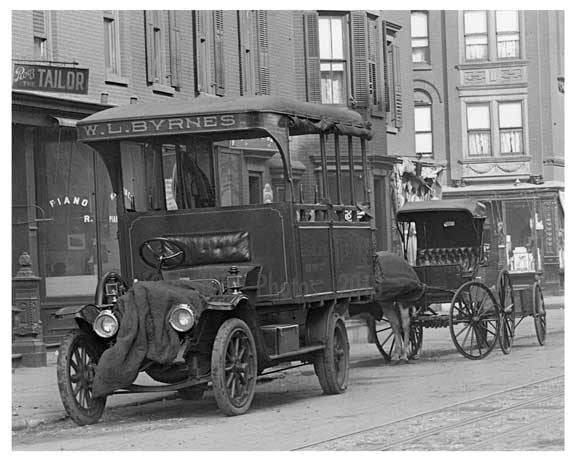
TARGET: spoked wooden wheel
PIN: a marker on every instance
(539, 313)
(77, 359)
(384, 335)
(385, 340)
(505, 295)
(234, 367)
(332, 363)
(474, 320)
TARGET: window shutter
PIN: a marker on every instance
(374, 65)
(360, 79)
(386, 66)
(219, 86)
(39, 23)
(175, 57)
(149, 19)
(397, 86)
(200, 44)
(263, 53)
(312, 55)
(243, 49)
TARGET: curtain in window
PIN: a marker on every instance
(511, 142)
(509, 46)
(479, 143)
(476, 47)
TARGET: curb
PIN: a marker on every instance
(21, 424)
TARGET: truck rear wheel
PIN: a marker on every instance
(332, 364)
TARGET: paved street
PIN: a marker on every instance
(290, 412)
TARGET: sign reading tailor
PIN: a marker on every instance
(162, 126)
(53, 79)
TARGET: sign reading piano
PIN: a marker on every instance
(54, 79)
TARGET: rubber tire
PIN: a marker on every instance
(225, 333)
(192, 393)
(333, 376)
(80, 415)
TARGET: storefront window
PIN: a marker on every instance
(78, 240)
(523, 228)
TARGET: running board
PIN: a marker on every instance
(302, 351)
(138, 389)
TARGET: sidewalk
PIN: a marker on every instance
(35, 397)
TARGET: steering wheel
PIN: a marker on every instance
(162, 253)
(110, 287)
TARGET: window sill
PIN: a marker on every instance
(512, 62)
(163, 89)
(116, 80)
(496, 159)
(422, 66)
(391, 129)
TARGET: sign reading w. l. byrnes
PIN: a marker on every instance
(53, 79)
(156, 126)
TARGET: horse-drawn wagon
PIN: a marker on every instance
(445, 242)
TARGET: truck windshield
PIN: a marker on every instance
(167, 176)
(197, 173)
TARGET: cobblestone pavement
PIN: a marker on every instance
(506, 420)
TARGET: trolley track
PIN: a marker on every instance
(467, 425)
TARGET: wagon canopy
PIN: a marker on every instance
(213, 114)
(412, 211)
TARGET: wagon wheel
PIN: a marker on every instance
(505, 295)
(332, 363)
(384, 336)
(539, 313)
(234, 367)
(474, 320)
(77, 359)
(385, 340)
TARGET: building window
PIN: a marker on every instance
(373, 72)
(420, 40)
(332, 59)
(511, 128)
(475, 35)
(507, 34)
(478, 119)
(423, 129)
(111, 44)
(39, 26)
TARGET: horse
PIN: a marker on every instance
(397, 287)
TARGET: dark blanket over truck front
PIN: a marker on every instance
(144, 332)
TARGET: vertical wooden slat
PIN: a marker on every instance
(351, 167)
(360, 78)
(338, 169)
(324, 162)
(312, 55)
